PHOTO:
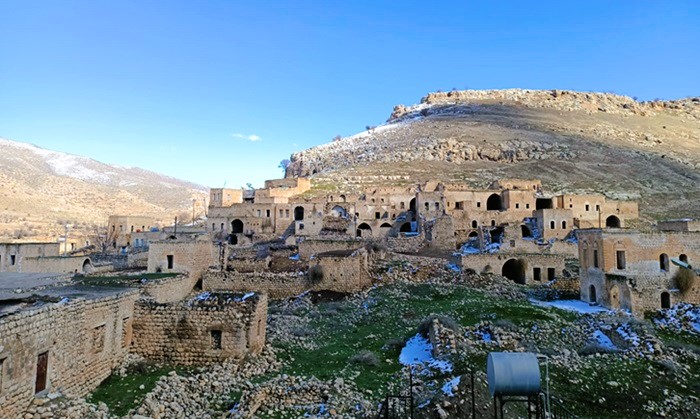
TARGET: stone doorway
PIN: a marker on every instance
(42, 366)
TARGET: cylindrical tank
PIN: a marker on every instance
(513, 374)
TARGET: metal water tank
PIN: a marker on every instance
(513, 374)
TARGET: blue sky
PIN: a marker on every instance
(182, 88)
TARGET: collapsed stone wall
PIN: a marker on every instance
(276, 285)
(403, 244)
(169, 290)
(83, 339)
(209, 328)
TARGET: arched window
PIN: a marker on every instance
(663, 262)
(612, 222)
(563, 225)
(552, 225)
(683, 258)
(592, 297)
(474, 224)
(236, 226)
(298, 213)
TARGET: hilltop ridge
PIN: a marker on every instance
(574, 141)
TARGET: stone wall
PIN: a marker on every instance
(207, 329)
(193, 256)
(276, 285)
(403, 244)
(343, 271)
(169, 290)
(56, 264)
(532, 266)
(313, 246)
(83, 340)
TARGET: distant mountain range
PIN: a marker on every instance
(42, 190)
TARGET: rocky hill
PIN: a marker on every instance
(573, 141)
(42, 190)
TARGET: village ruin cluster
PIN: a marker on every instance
(194, 294)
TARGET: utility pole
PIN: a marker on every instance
(193, 202)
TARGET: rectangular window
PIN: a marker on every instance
(597, 207)
(13, 259)
(98, 338)
(213, 226)
(281, 213)
(458, 205)
(216, 339)
(259, 213)
(2, 372)
(286, 213)
(527, 206)
(588, 207)
(551, 273)
(537, 274)
(478, 204)
(267, 213)
(595, 258)
(621, 262)
(377, 215)
(170, 261)
(517, 206)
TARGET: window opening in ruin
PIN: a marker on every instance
(663, 262)
(286, 213)
(385, 225)
(98, 338)
(683, 258)
(588, 207)
(377, 215)
(13, 259)
(493, 203)
(437, 205)
(496, 234)
(301, 226)
(544, 203)
(402, 205)
(213, 226)
(222, 226)
(170, 261)
(514, 269)
(478, 204)
(132, 229)
(342, 198)
(267, 213)
(236, 226)
(592, 294)
(612, 222)
(459, 205)
(512, 243)
(473, 235)
(232, 239)
(525, 231)
(259, 213)
(551, 274)
(537, 274)
(517, 206)
(87, 266)
(281, 213)
(571, 205)
(474, 224)
(216, 339)
(563, 225)
(552, 225)
(298, 213)
(42, 366)
(493, 223)
(595, 258)
(364, 230)
(527, 206)
(597, 207)
(665, 300)
(427, 206)
(620, 257)
(125, 332)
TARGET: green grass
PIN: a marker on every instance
(123, 393)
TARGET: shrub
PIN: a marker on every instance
(365, 357)
(316, 274)
(685, 279)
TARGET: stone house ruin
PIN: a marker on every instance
(638, 271)
(40, 258)
(121, 228)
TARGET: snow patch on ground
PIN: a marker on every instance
(603, 340)
(571, 305)
(626, 332)
(682, 316)
(419, 350)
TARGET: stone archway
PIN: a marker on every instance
(493, 203)
(592, 297)
(612, 222)
(364, 230)
(298, 213)
(87, 266)
(236, 226)
(514, 269)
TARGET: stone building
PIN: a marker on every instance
(40, 258)
(637, 271)
(69, 342)
(193, 254)
(121, 227)
(209, 328)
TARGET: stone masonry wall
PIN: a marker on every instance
(276, 285)
(84, 340)
(310, 247)
(169, 290)
(193, 256)
(204, 330)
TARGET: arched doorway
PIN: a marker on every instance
(385, 229)
(236, 226)
(87, 266)
(612, 222)
(665, 300)
(412, 208)
(525, 231)
(592, 297)
(298, 213)
(615, 298)
(405, 228)
(343, 198)
(494, 203)
(514, 269)
(683, 258)
(364, 230)
(339, 212)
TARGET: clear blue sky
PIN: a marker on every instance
(181, 87)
